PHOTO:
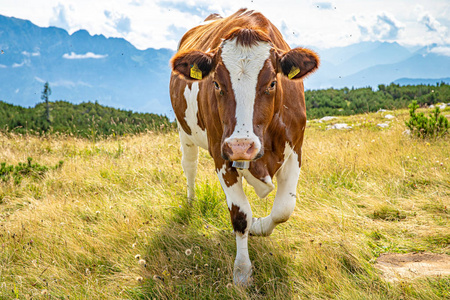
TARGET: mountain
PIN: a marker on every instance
(374, 63)
(80, 67)
(84, 67)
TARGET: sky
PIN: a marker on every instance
(321, 24)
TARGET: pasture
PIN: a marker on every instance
(113, 221)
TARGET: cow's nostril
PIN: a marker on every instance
(251, 148)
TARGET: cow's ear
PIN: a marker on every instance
(193, 64)
(298, 62)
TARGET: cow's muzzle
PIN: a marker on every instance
(241, 149)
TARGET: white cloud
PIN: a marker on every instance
(37, 53)
(441, 50)
(26, 62)
(73, 55)
(59, 18)
(3, 66)
(383, 27)
(320, 23)
(431, 23)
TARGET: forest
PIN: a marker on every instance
(93, 120)
(345, 102)
(86, 119)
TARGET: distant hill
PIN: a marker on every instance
(81, 67)
(416, 81)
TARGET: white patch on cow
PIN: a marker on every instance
(262, 186)
(198, 136)
(235, 196)
(244, 65)
(285, 198)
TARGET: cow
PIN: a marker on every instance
(236, 88)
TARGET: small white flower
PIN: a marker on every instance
(142, 262)
(139, 278)
(137, 256)
(188, 252)
(88, 272)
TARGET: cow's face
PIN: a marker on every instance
(243, 72)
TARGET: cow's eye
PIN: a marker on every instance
(216, 85)
(273, 84)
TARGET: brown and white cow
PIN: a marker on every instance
(237, 90)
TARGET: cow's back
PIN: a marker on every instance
(209, 36)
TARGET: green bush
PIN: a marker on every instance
(435, 125)
(24, 169)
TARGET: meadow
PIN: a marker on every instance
(113, 222)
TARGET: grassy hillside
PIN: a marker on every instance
(112, 221)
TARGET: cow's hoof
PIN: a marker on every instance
(242, 275)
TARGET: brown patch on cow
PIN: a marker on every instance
(238, 219)
(396, 266)
(230, 176)
(247, 37)
(179, 104)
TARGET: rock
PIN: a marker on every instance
(327, 118)
(389, 117)
(383, 125)
(339, 126)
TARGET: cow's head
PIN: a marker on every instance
(243, 73)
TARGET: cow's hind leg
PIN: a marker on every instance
(189, 162)
(285, 198)
(241, 219)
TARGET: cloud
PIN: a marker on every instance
(3, 66)
(323, 5)
(25, 62)
(137, 2)
(384, 27)
(121, 23)
(431, 23)
(59, 18)
(441, 50)
(31, 54)
(73, 55)
(197, 9)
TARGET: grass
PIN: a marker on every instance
(113, 221)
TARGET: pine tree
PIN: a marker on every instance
(45, 94)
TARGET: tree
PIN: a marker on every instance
(45, 94)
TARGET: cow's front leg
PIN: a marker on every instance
(285, 198)
(189, 162)
(241, 219)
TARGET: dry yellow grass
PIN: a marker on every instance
(113, 222)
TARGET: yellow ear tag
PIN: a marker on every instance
(196, 73)
(294, 71)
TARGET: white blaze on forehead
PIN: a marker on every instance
(244, 65)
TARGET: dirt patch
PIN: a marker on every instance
(397, 266)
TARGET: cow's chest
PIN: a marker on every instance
(198, 135)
